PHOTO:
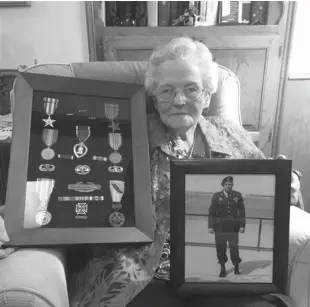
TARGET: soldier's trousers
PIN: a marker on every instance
(221, 240)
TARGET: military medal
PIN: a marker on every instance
(43, 218)
(80, 198)
(50, 105)
(44, 189)
(82, 169)
(82, 133)
(49, 137)
(114, 126)
(116, 218)
(47, 167)
(115, 157)
(115, 169)
(84, 187)
(81, 211)
(115, 141)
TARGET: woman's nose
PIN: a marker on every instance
(179, 99)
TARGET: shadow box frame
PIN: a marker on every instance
(281, 169)
(25, 86)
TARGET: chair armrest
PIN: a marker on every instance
(299, 257)
(33, 277)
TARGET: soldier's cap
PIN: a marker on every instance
(227, 179)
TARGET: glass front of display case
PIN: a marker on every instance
(80, 165)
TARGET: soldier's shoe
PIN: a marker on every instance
(237, 272)
(223, 271)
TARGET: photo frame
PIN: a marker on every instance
(234, 12)
(79, 165)
(252, 221)
(11, 4)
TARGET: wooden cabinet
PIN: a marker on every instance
(253, 53)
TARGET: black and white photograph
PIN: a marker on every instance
(229, 227)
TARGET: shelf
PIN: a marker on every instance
(237, 30)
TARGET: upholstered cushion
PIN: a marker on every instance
(33, 277)
(225, 102)
(299, 257)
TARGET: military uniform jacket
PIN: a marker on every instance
(227, 214)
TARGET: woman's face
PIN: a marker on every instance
(183, 77)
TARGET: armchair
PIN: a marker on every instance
(37, 277)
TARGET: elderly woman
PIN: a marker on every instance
(181, 77)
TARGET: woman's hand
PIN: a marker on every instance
(4, 237)
(296, 197)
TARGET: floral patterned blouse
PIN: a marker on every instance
(114, 276)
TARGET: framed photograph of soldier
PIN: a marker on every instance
(79, 164)
(229, 226)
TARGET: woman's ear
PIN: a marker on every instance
(207, 99)
(154, 103)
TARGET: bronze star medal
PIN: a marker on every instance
(49, 122)
(114, 126)
(50, 106)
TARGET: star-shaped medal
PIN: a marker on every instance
(114, 126)
(49, 122)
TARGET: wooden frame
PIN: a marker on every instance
(280, 171)
(7, 77)
(91, 30)
(27, 88)
(231, 22)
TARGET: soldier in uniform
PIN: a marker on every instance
(226, 221)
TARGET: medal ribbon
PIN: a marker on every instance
(44, 188)
(49, 136)
(117, 188)
(50, 105)
(115, 140)
(111, 110)
(83, 133)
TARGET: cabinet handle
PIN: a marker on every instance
(270, 135)
(280, 50)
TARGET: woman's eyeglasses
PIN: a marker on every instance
(189, 94)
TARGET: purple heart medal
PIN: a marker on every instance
(50, 106)
(44, 189)
(116, 218)
(49, 137)
(82, 133)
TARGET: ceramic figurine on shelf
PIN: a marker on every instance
(189, 18)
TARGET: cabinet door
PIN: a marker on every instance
(256, 63)
(252, 57)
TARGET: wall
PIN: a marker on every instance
(300, 47)
(294, 135)
(47, 31)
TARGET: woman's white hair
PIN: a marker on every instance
(186, 49)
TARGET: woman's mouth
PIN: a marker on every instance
(178, 114)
